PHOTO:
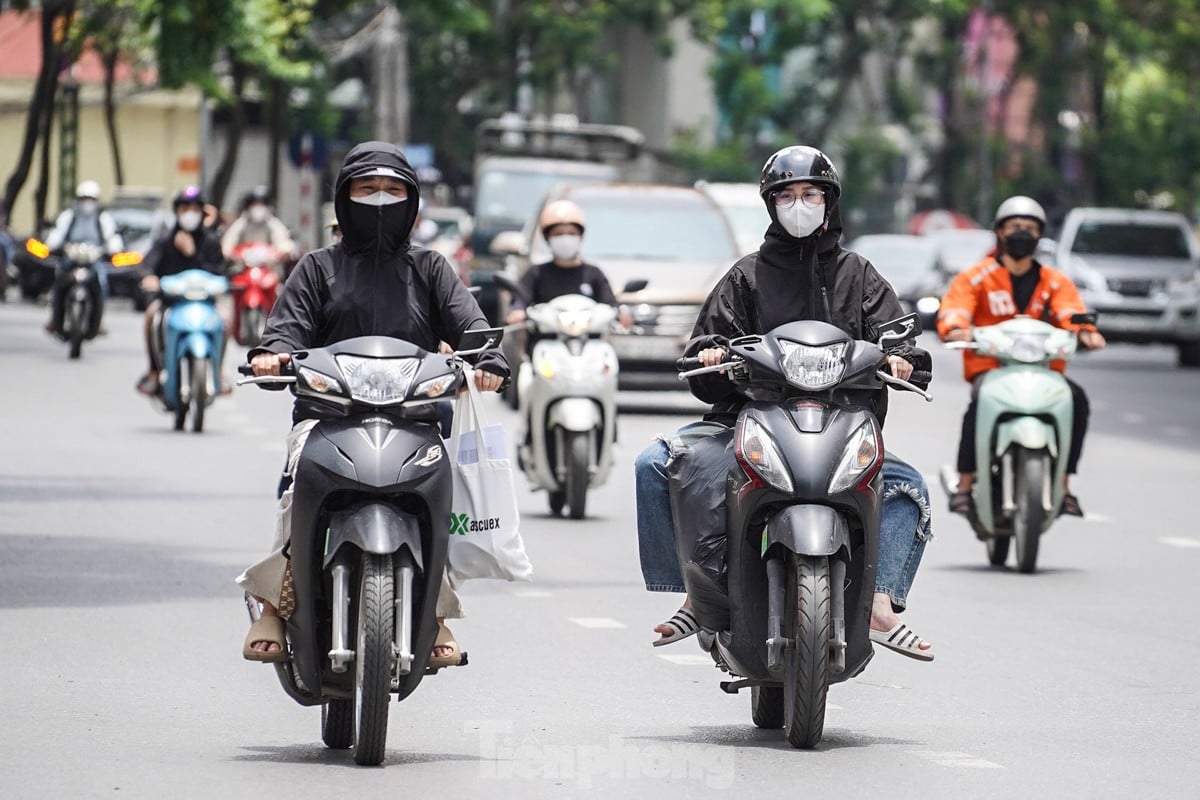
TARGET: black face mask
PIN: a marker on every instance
(1020, 244)
(377, 226)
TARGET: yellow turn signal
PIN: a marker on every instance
(127, 259)
(37, 248)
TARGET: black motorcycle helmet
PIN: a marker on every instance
(187, 195)
(799, 163)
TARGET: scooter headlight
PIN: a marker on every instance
(1029, 348)
(320, 382)
(436, 387)
(574, 323)
(862, 452)
(378, 380)
(813, 368)
(757, 452)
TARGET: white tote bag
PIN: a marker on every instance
(485, 540)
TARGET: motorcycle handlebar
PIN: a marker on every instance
(688, 364)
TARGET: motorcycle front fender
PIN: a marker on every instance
(1029, 432)
(809, 530)
(374, 528)
(576, 414)
(197, 345)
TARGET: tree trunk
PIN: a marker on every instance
(43, 98)
(276, 130)
(233, 134)
(110, 113)
(41, 192)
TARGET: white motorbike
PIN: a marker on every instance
(1022, 435)
(567, 392)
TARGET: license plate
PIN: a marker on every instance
(647, 348)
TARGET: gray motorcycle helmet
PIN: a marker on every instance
(1020, 206)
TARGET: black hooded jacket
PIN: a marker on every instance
(792, 279)
(373, 285)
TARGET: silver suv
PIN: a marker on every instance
(1138, 270)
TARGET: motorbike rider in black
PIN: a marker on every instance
(799, 272)
(373, 282)
(188, 245)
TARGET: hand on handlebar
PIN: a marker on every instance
(711, 356)
(960, 335)
(269, 363)
(1092, 340)
(899, 367)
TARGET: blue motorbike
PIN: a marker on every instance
(191, 341)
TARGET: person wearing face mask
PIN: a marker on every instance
(84, 221)
(188, 245)
(562, 225)
(373, 282)
(800, 272)
(256, 223)
(1008, 283)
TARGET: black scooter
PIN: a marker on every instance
(79, 301)
(370, 527)
(803, 506)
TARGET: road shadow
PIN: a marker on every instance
(68, 571)
(987, 568)
(748, 736)
(317, 753)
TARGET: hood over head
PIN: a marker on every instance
(779, 248)
(375, 158)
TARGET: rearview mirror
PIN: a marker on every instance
(635, 285)
(508, 243)
(899, 330)
(478, 340)
(1088, 318)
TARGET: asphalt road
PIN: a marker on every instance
(121, 673)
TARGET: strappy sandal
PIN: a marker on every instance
(904, 641)
(1070, 506)
(961, 503)
(267, 629)
(682, 624)
(446, 639)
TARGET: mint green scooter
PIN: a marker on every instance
(1022, 435)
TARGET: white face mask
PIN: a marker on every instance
(565, 247)
(380, 198)
(88, 207)
(257, 214)
(190, 220)
(800, 220)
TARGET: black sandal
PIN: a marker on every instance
(1070, 506)
(961, 503)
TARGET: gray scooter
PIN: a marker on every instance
(370, 528)
(803, 505)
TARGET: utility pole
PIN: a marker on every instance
(389, 73)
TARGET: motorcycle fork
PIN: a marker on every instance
(340, 655)
(1008, 500)
(404, 623)
(777, 643)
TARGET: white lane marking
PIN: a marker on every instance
(689, 660)
(1133, 418)
(532, 593)
(1089, 517)
(1180, 541)
(598, 623)
(954, 759)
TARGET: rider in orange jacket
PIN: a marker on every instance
(1007, 283)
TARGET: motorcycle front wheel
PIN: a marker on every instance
(199, 398)
(1030, 516)
(806, 671)
(253, 322)
(77, 318)
(373, 657)
(578, 459)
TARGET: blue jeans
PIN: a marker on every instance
(904, 527)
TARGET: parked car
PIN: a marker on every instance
(743, 207)
(911, 265)
(453, 239)
(674, 237)
(1138, 270)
